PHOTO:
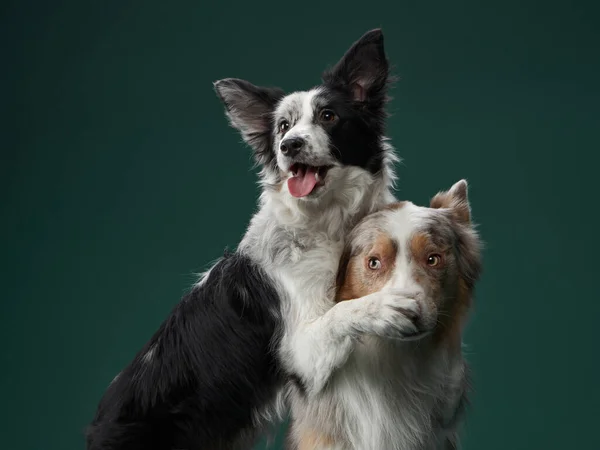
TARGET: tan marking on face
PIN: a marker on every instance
(420, 244)
(446, 291)
(432, 279)
(423, 245)
(358, 279)
(311, 440)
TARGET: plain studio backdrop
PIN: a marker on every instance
(120, 179)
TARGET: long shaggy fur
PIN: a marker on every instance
(198, 379)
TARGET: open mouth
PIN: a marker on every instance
(305, 179)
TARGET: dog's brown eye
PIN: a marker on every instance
(284, 125)
(434, 260)
(327, 115)
(374, 263)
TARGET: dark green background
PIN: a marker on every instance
(120, 178)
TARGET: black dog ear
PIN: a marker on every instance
(250, 111)
(363, 71)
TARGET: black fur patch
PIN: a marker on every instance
(212, 365)
(356, 90)
(355, 137)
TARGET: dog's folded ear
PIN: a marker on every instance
(250, 111)
(456, 199)
(363, 71)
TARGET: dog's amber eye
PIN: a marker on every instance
(434, 260)
(327, 115)
(284, 125)
(374, 263)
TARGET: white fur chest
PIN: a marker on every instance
(381, 399)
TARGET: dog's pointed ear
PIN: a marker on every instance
(456, 199)
(363, 71)
(250, 111)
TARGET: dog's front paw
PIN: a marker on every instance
(394, 314)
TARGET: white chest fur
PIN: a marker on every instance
(383, 399)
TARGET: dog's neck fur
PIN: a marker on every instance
(429, 377)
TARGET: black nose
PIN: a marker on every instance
(291, 146)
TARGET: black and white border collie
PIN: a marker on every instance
(215, 372)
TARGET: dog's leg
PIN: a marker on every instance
(318, 347)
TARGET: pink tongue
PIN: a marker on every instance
(303, 183)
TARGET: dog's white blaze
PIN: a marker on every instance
(299, 109)
(401, 229)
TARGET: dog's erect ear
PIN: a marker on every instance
(456, 199)
(250, 110)
(363, 71)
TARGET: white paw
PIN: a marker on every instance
(394, 314)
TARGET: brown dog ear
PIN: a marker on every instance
(455, 199)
